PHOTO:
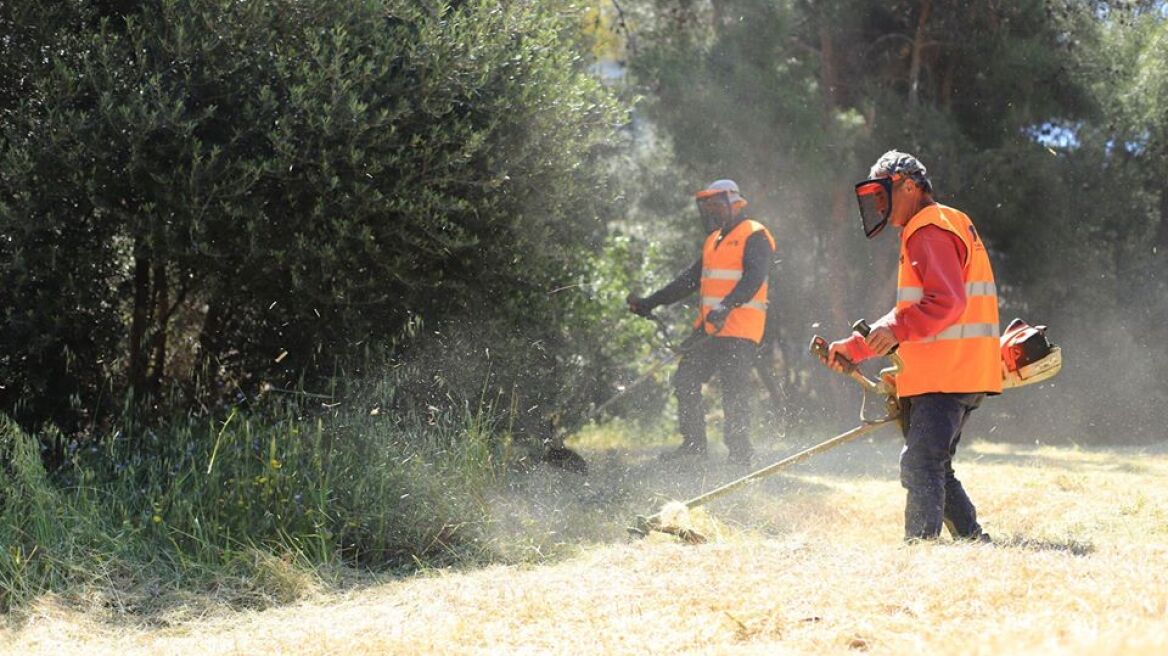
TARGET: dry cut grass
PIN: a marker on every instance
(810, 562)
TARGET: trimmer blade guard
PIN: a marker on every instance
(643, 526)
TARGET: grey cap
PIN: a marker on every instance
(895, 161)
(729, 186)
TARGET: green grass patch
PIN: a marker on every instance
(253, 505)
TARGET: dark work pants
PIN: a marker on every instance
(731, 358)
(935, 496)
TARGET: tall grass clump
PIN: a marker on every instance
(293, 483)
(46, 541)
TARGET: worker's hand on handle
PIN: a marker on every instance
(845, 354)
(839, 356)
(638, 306)
(881, 341)
(717, 316)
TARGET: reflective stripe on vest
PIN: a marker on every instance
(721, 274)
(721, 271)
(710, 302)
(963, 330)
(964, 357)
(914, 294)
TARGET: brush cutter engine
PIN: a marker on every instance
(1027, 356)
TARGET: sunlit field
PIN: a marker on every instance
(809, 561)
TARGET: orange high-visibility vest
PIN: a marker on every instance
(964, 357)
(721, 271)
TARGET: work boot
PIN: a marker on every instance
(687, 450)
(974, 534)
(979, 538)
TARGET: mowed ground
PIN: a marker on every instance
(810, 561)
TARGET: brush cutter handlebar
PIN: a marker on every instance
(662, 329)
(822, 350)
(884, 386)
(695, 336)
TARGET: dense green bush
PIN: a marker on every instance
(234, 215)
(222, 194)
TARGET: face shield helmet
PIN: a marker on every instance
(718, 204)
(875, 198)
(715, 208)
(874, 195)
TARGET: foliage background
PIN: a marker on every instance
(1035, 117)
(205, 199)
(370, 256)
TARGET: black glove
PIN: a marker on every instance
(638, 306)
(717, 316)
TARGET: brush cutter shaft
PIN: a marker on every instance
(657, 366)
(842, 438)
(884, 387)
(687, 344)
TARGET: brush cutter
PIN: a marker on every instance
(559, 455)
(1027, 358)
(883, 388)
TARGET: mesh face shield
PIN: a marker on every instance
(715, 209)
(875, 198)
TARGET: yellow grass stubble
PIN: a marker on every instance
(1082, 571)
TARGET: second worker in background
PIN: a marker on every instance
(732, 276)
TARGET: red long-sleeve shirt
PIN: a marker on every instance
(937, 255)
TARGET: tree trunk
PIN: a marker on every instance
(914, 69)
(1157, 276)
(138, 321)
(162, 319)
(836, 241)
(1162, 230)
(837, 273)
(1157, 330)
(828, 75)
(947, 85)
(209, 338)
(717, 13)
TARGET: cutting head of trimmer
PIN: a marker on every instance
(643, 526)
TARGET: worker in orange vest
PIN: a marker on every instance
(732, 278)
(944, 327)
